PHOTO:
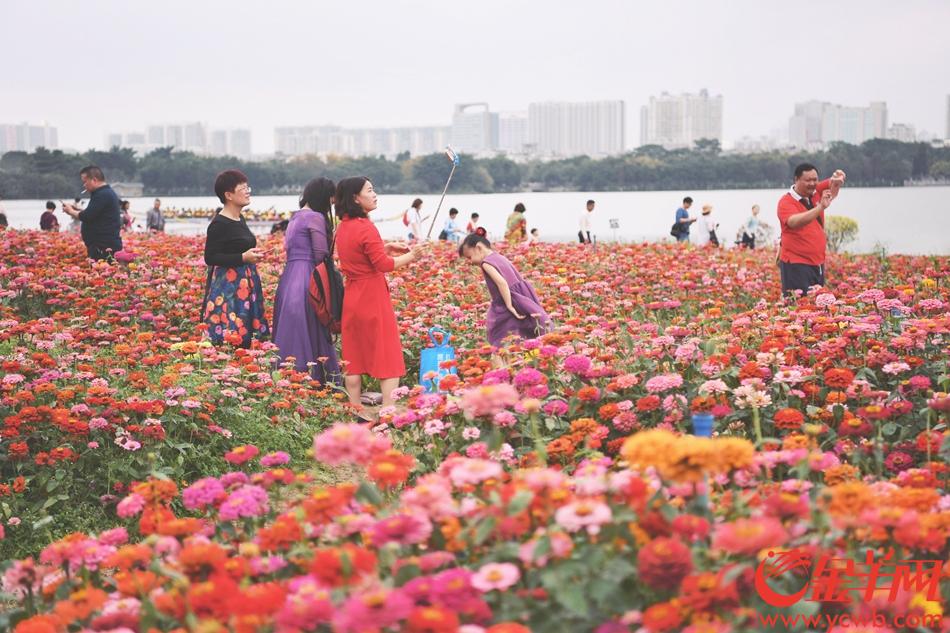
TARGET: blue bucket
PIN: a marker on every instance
(702, 424)
(432, 359)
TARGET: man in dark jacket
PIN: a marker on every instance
(101, 219)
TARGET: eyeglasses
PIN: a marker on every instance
(243, 189)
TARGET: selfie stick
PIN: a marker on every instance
(452, 156)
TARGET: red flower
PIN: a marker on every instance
(788, 419)
(664, 562)
(838, 377)
(662, 617)
(432, 620)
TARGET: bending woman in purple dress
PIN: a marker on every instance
(515, 308)
(308, 240)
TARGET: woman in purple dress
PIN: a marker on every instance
(308, 240)
(515, 308)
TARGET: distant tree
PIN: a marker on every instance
(505, 173)
(939, 170)
(708, 146)
(840, 230)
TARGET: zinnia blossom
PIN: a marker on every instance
(495, 576)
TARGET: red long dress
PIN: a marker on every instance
(371, 342)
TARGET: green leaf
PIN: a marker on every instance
(369, 493)
(890, 428)
(519, 502)
(49, 503)
(484, 530)
(407, 573)
(572, 598)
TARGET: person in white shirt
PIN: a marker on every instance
(707, 228)
(583, 232)
(413, 219)
(451, 231)
(749, 229)
(533, 237)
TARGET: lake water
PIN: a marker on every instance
(912, 220)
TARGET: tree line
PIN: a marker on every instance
(876, 163)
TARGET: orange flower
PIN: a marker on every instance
(40, 624)
(202, 558)
(390, 469)
(848, 500)
(840, 474)
(81, 604)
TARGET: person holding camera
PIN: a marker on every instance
(101, 220)
(801, 214)
(370, 342)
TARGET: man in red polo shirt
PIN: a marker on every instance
(801, 213)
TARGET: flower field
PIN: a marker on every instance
(151, 482)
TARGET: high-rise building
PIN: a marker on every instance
(902, 132)
(155, 135)
(512, 132)
(678, 121)
(175, 136)
(327, 139)
(24, 137)
(218, 145)
(474, 132)
(196, 138)
(113, 139)
(572, 129)
(239, 143)
(817, 123)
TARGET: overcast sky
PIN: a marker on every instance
(90, 67)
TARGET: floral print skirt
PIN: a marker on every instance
(234, 306)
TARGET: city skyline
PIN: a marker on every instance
(410, 62)
(568, 129)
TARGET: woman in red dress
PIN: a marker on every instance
(371, 342)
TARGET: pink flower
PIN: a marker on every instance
(583, 514)
(404, 529)
(202, 493)
(115, 536)
(242, 454)
(556, 408)
(577, 364)
(749, 536)
(494, 576)
(477, 450)
(473, 471)
(664, 382)
(275, 459)
(246, 501)
(372, 610)
(504, 419)
(528, 377)
(487, 400)
(348, 444)
(825, 300)
(307, 605)
(130, 506)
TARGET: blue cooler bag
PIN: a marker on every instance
(433, 357)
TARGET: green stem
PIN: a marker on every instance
(757, 425)
(538, 441)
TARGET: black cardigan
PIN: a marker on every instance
(227, 241)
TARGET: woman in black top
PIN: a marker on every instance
(233, 303)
